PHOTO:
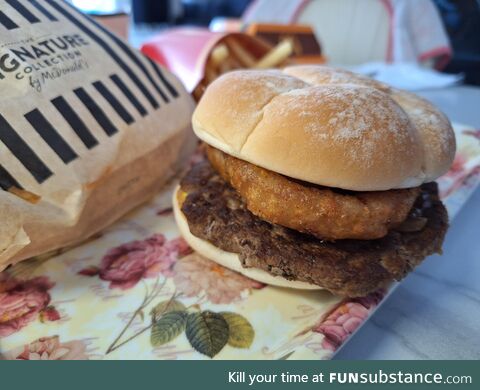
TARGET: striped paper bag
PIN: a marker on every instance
(89, 127)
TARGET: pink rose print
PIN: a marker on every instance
(458, 166)
(165, 212)
(194, 274)
(345, 319)
(458, 176)
(49, 314)
(24, 301)
(49, 348)
(126, 265)
(473, 133)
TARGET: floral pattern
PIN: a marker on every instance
(21, 302)
(49, 348)
(460, 175)
(179, 295)
(473, 133)
(195, 275)
(125, 265)
(345, 319)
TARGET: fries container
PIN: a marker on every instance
(307, 49)
(185, 51)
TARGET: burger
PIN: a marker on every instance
(315, 178)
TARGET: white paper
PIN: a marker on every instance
(407, 76)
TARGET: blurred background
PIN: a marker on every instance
(436, 34)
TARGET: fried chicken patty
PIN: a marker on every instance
(326, 213)
(215, 212)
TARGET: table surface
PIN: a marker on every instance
(435, 312)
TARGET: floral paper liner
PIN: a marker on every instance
(137, 291)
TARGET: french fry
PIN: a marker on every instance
(234, 63)
(219, 54)
(198, 91)
(276, 56)
(210, 73)
(242, 55)
(226, 66)
(229, 55)
(26, 195)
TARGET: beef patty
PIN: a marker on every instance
(215, 212)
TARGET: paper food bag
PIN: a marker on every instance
(89, 127)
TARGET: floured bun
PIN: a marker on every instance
(231, 260)
(326, 126)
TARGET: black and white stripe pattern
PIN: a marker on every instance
(24, 11)
(77, 124)
(20, 149)
(30, 12)
(54, 10)
(129, 94)
(8, 23)
(43, 10)
(96, 111)
(44, 128)
(7, 181)
(114, 102)
(107, 48)
(156, 79)
(136, 57)
(119, 98)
